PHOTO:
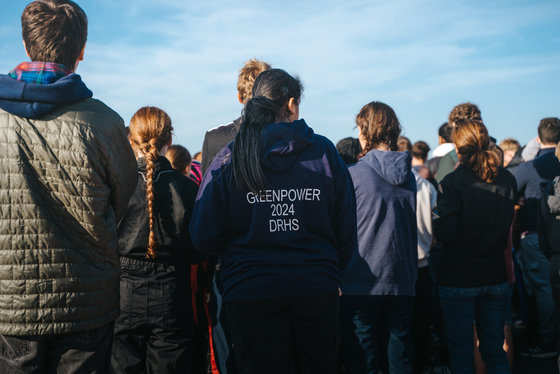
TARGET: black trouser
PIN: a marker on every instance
(154, 332)
(286, 335)
(421, 320)
(82, 352)
(555, 284)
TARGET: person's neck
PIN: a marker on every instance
(543, 146)
(417, 162)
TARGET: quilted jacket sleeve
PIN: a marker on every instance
(122, 171)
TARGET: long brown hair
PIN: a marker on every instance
(150, 131)
(378, 124)
(473, 146)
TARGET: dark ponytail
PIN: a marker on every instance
(271, 92)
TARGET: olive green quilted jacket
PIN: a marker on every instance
(65, 181)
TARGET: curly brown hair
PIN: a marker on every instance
(150, 131)
(464, 111)
(378, 124)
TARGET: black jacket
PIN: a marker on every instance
(216, 139)
(548, 221)
(475, 219)
(173, 205)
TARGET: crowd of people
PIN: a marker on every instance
(270, 251)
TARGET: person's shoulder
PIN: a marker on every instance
(227, 130)
(90, 110)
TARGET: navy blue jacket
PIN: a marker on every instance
(291, 239)
(28, 100)
(532, 177)
(386, 260)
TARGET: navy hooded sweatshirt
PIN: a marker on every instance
(29, 100)
(291, 239)
(386, 260)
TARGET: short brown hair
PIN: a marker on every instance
(378, 124)
(420, 150)
(179, 157)
(404, 144)
(247, 75)
(464, 111)
(54, 31)
(473, 145)
(510, 144)
(549, 131)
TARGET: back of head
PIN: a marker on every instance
(510, 144)
(420, 150)
(445, 132)
(272, 91)
(247, 75)
(473, 146)
(378, 124)
(464, 111)
(54, 31)
(179, 157)
(404, 144)
(150, 131)
(549, 131)
(349, 149)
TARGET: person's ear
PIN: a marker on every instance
(239, 97)
(80, 58)
(293, 108)
(25, 47)
(539, 140)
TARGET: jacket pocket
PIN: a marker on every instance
(12, 348)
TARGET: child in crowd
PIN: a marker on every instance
(181, 161)
(154, 330)
(203, 354)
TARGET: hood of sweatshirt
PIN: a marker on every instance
(394, 167)
(553, 196)
(282, 142)
(29, 100)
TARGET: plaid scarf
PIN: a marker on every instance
(38, 72)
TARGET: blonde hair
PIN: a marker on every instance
(150, 131)
(510, 144)
(247, 75)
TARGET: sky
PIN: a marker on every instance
(421, 57)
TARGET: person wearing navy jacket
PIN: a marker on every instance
(278, 206)
(378, 282)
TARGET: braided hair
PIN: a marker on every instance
(150, 131)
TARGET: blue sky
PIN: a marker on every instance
(420, 57)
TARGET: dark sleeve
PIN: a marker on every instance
(206, 156)
(193, 256)
(542, 228)
(345, 220)
(210, 224)
(521, 178)
(122, 171)
(449, 209)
